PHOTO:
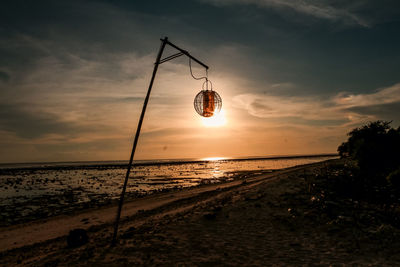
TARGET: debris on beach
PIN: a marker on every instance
(77, 238)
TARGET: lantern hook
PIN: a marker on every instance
(206, 82)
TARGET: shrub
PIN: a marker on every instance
(394, 179)
(376, 149)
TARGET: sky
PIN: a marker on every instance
(294, 76)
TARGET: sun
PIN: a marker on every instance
(217, 120)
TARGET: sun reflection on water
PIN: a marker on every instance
(213, 158)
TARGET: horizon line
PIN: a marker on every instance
(179, 160)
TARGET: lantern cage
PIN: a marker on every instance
(207, 103)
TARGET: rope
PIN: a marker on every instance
(200, 78)
(191, 73)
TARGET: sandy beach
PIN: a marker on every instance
(272, 218)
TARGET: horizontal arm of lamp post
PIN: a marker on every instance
(183, 52)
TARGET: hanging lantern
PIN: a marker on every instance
(207, 103)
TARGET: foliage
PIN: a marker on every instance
(376, 149)
(394, 180)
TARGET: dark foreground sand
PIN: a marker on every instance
(275, 218)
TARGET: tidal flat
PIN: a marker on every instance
(287, 217)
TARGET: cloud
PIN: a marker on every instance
(269, 106)
(27, 124)
(76, 86)
(389, 112)
(340, 109)
(381, 96)
(382, 104)
(317, 9)
(65, 97)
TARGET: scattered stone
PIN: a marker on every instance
(77, 238)
(210, 216)
(217, 208)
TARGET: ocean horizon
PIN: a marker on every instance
(145, 162)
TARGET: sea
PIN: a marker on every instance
(30, 191)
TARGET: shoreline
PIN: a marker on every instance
(276, 218)
(31, 195)
(9, 236)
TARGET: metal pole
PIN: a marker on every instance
(121, 200)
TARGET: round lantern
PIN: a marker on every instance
(207, 103)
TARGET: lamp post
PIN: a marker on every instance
(159, 61)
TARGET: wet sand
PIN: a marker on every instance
(36, 191)
(268, 219)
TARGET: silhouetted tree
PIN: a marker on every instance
(376, 149)
(394, 180)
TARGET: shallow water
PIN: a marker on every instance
(30, 193)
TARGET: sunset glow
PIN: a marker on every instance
(73, 90)
(217, 120)
(236, 132)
